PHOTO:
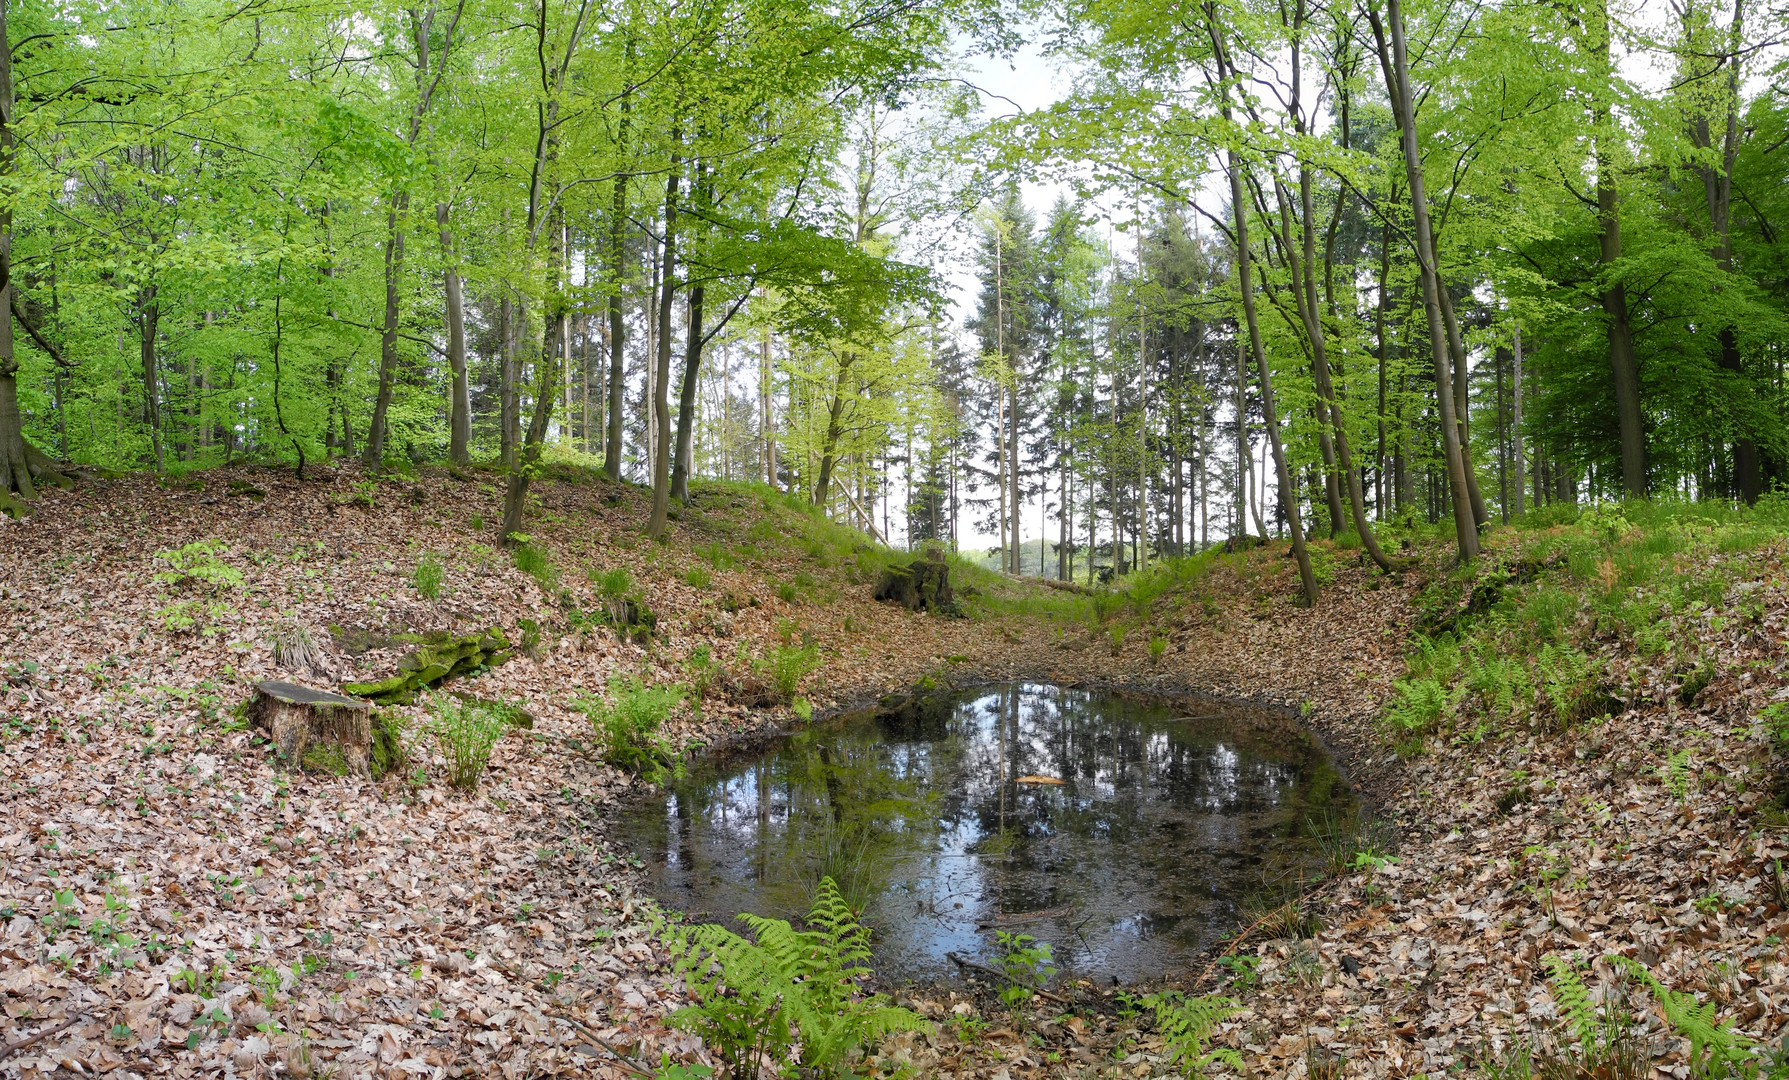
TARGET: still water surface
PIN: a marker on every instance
(1126, 834)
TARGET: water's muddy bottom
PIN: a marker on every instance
(1124, 832)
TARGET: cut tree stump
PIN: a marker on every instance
(921, 585)
(315, 729)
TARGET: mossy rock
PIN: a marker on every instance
(444, 657)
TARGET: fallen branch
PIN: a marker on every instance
(620, 1059)
(1064, 586)
(12, 1047)
(998, 974)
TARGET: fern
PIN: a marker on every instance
(1186, 1024)
(1715, 1048)
(1574, 999)
(755, 999)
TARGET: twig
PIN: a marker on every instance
(10, 1048)
(997, 973)
(622, 1059)
(1237, 941)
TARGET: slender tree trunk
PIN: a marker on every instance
(1396, 66)
(508, 376)
(1624, 368)
(460, 418)
(686, 399)
(1462, 410)
(16, 471)
(1326, 392)
(661, 406)
(388, 331)
(617, 324)
(1516, 414)
(148, 319)
(1270, 415)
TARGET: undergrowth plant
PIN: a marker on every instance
(427, 576)
(1186, 1025)
(467, 730)
(1027, 965)
(627, 729)
(786, 665)
(794, 998)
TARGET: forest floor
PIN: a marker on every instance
(175, 901)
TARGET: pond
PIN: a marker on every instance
(1127, 833)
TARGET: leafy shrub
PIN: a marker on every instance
(1186, 1025)
(198, 564)
(698, 577)
(467, 731)
(703, 669)
(627, 730)
(1158, 647)
(786, 593)
(1027, 965)
(427, 577)
(787, 665)
(757, 999)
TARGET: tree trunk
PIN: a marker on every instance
(1624, 368)
(617, 327)
(835, 430)
(149, 318)
(1326, 392)
(1516, 413)
(388, 332)
(661, 407)
(509, 397)
(1396, 66)
(460, 419)
(1270, 415)
(1462, 404)
(686, 399)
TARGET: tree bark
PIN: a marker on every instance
(460, 419)
(686, 399)
(148, 319)
(388, 331)
(1462, 405)
(1516, 412)
(661, 408)
(1624, 368)
(1396, 68)
(1307, 576)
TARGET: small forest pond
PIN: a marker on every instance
(1124, 832)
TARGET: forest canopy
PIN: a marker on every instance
(1310, 268)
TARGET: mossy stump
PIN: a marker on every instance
(315, 729)
(920, 585)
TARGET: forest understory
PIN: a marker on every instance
(176, 901)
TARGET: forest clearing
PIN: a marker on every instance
(732, 539)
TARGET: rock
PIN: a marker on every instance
(921, 585)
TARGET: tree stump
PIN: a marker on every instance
(315, 729)
(921, 585)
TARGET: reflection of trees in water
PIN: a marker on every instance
(826, 804)
(1161, 828)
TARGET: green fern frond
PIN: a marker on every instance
(1714, 1044)
(1573, 998)
(1186, 1025)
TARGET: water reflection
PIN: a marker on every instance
(1120, 832)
